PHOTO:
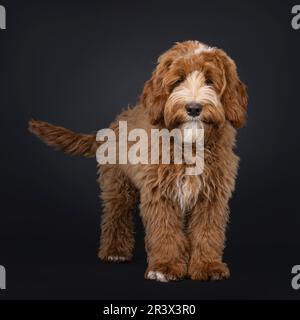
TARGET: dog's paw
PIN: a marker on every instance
(117, 259)
(157, 275)
(112, 258)
(166, 272)
(209, 271)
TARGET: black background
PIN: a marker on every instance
(77, 64)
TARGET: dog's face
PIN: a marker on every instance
(194, 84)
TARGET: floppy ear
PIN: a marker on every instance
(155, 93)
(234, 97)
(154, 96)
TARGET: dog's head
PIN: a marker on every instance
(195, 83)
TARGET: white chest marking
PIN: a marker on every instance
(188, 189)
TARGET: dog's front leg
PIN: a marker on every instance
(166, 243)
(206, 233)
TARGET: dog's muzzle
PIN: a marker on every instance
(193, 109)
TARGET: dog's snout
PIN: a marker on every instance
(193, 109)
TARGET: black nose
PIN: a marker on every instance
(193, 109)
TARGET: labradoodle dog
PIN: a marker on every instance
(184, 216)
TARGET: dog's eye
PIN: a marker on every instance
(208, 82)
(178, 81)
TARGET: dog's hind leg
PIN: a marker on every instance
(119, 198)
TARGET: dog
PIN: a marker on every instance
(184, 216)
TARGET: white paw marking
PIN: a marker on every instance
(156, 275)
(116, 258)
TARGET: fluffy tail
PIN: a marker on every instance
(64, 139)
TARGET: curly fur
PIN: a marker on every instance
(185, 217)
